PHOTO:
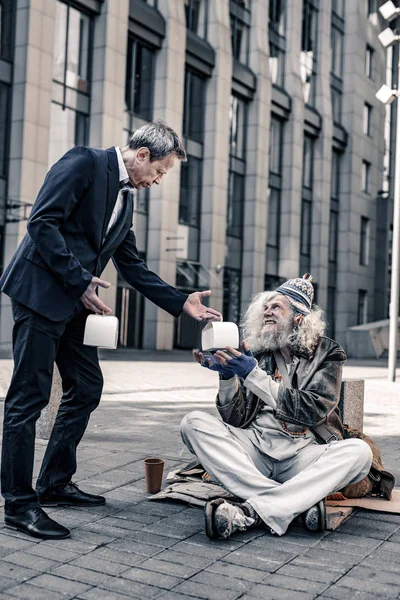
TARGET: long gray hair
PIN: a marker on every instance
(305, 336)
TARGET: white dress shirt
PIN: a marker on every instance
(123, 177)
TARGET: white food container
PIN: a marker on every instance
(217, 335)
(101, 331)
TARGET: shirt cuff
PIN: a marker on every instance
(263, 386)
(227, 390)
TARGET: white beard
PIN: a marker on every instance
(277, 336)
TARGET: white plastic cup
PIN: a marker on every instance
(101, 331)
(219, 335)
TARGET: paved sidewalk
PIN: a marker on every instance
(132, 548)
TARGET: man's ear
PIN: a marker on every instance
(298, 320)
(143, 154)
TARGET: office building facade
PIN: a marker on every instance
(287, 166)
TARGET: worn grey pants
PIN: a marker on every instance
(277, 490)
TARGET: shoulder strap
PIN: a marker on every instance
(280, 361)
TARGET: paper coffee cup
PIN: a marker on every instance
(153, 468)
(217, 335)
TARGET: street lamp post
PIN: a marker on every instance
(386, 95)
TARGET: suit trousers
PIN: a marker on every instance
(277, 490)
(37, 344)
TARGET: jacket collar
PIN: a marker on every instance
(112, 159)
(112, 187)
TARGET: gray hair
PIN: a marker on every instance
(305, 336)
(160, 139)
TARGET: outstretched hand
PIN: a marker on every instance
(211, 363)
(240, 363)
(196, 309)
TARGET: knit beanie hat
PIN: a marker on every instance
(299, 292)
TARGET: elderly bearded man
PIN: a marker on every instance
(280, 445)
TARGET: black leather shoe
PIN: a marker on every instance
(315, 517)
(70, 495)
(36, 523)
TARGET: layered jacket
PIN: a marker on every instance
(312, 400)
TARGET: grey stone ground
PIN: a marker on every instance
(132, 548)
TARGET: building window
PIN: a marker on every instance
(367, 119)
(277, 41)
(235, 205)
(240, 20)
(333, 236)
(140, 62)
(306, 204)
(6, 29)
(142, 201)
(369, 62)
(337, 51)
(336, 95)
(308, 158)
(275, 146)
(335, 176)
(371, 7)
(333, 241)
(305, 235)
(237, 149)
(190, 192)
(331, 312)
(337, 38)
(365, 176)
(273, 218)
(193, 130)
(193, 114)
(237, 129)
(364, 241)
(362, 307)
(308, 54)
(69, 123)
(274, 194)
(231, 301)
(4, 104)
(196, 12)
(338, 7)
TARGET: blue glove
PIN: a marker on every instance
(223, 370)
(243, 365)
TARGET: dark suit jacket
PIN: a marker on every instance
(63, 248)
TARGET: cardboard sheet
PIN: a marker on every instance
(379, 504)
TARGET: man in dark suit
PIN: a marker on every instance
(82, 217)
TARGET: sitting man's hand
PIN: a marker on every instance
(240, 363)
(211, 363)
(90, 299)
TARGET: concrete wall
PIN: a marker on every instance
(30, 126)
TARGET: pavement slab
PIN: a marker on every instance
(133, 548)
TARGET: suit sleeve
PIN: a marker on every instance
(61, 191)
(135, 271)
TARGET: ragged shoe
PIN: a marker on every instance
(223, 518)
(314, 518)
